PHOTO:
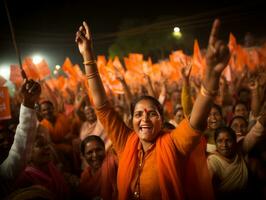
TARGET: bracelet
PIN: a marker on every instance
(89, 62)
(92, 75)
(207, 93)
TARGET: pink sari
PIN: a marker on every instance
(54, 181)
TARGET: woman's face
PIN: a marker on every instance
(90, 114)
(214, 119)
(47, 111)
(239, 126)
(41, 152)
(179, 116)
(147, 121)
(241, 110)
(94, 154)
(226, 145)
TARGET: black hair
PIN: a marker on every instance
(217, 107)
(242, 90)
(177, 109)
(89, 139)
(239, 103)
(226, 129)
(238, 117)
(46, 102)
(149, 98)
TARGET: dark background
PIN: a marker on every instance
(48, 27)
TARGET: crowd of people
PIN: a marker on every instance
(194, 139)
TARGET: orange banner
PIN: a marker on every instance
(15, 75)
(2, 80)
(30, 69)
(43, 69)
(5, 112)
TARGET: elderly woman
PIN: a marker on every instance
(152, 163)
(98, 180)
(227, 166)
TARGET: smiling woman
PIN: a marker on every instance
(147, 119)
(151, 160)
(227, 166)
(99, 178)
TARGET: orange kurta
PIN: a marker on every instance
(164, 173)
(60, 129)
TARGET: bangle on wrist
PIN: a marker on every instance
(89, 62)
(206, 93)
(92, 75)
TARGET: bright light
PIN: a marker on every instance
(5, 71)
(177, 35)
(57, 67)
(176, 29)
(55, 72)
(37, 59)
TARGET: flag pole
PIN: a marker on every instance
(24, 76)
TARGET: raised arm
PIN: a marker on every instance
(150, 89)
(112, 123)
(217, 58)
(25, 132)
(128, 94)
(84, 41)
(255, 97)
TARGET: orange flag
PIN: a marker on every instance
(15, 75)
(2, 80)
(5, 112)
(30, 69)
(232, 44)
(262, 55)
(51, 83)
(67, 67)
(134, 63)
(113, 83)
(252, 58)
(197, 65)
(43, 69)
(169, 70)
(240, 58)
(118, 65)
(78, 72)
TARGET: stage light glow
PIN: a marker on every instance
(37, 59)
(5, 71)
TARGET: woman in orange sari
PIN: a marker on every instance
(153, 163)
(98, 180)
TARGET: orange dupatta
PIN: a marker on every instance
(196, 182)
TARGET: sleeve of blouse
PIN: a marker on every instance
(114, 126)
(185, 137)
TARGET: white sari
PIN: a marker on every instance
(232, 176)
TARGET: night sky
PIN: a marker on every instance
(48, 27)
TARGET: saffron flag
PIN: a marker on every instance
(30, 69)
(232, 44)
(2, 80)
(43, 69)
(15, 75)
(5, 112)
(197, 65)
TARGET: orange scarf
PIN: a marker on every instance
(179, 177)
(59, 130)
